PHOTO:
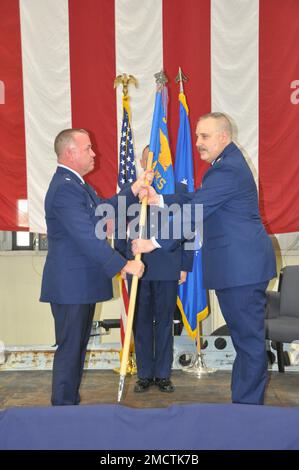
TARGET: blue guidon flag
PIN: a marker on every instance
(192, 298)
(159, 145)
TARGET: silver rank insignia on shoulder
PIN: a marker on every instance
(67, 179)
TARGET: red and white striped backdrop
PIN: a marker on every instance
(59, 58)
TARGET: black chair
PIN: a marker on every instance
(282, 312)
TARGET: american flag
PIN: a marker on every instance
(126, 174)
(249, 73)
(127, 168)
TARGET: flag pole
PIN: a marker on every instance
(126, 80)
(199, 367)
(133, 294)
(161, 80)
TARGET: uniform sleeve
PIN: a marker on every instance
(125, 192)
(221, 186)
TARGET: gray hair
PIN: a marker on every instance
(224, 123)
(65, 138)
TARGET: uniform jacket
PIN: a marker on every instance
(236, 248)
(79, 266)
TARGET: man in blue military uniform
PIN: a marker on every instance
(155, 306)
(79, 266)
(238, 257)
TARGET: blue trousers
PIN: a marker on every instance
(153, 328)
(243, 309)
(72, 329)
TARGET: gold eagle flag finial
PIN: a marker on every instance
(125, 80)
